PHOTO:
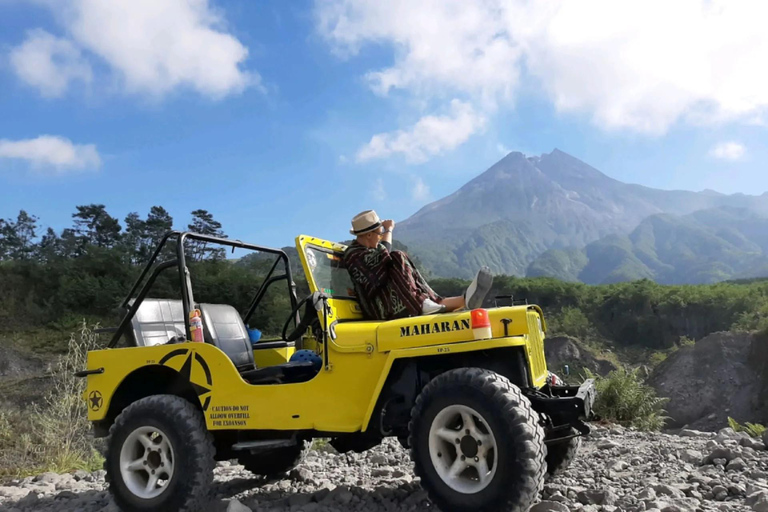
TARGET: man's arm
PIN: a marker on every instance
(386, 238)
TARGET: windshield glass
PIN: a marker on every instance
(328, 272)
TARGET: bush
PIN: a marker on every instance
(753, 429)
(623, 398)
(55, 434)
(571, 321)
(657, 358)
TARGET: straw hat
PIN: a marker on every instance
(365, 222)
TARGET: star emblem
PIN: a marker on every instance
(185, 372)
(95, 400)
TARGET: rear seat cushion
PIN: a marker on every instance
(157, 321)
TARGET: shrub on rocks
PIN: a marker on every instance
(753, 429)
(623, 398)
(54, 434)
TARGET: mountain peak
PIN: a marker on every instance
(523, 205)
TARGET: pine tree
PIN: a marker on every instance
(204, 223)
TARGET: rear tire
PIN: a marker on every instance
(561, 454)
(504, 470)
(276, 461)
(160, 456)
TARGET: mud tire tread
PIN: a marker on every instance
(194, 453)
(516, 428)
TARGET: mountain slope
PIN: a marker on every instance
(522, 206)
(706, 246)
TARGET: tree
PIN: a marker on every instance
(49, 247)
(133, 239)
(159, 222)
(4, 239)
(204, 223)
(17, 238)
(93, 225)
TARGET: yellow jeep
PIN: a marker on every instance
(467, 392)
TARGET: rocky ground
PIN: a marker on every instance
(616, 470)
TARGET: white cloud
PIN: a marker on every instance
(49, 63)
(51, 152)
(638, 65)
(502, 149)
(420, 190)
(453, 44)
(150, 47)
(728, 150)
(430, 136)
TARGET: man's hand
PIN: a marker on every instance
(388, 224)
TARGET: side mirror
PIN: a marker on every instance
(566, 370)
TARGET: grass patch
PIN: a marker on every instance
(53, 434)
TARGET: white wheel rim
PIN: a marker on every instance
(147, 462)
(463, 449)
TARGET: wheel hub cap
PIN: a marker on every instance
(146, 462)
(463, 449)
(468, 446)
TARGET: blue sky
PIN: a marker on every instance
(290, 117)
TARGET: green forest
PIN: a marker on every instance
(53, 280)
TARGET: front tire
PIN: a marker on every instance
(476, 443)
(560, 454)
(160, 456)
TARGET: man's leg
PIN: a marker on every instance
(424, 299)
(409, 286)
(475, 293)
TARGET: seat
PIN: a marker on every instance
(223, 327)
(157, 321)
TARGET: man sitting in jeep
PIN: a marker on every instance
(386, 282)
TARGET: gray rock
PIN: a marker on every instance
(597, 497)
(81, 475)
(721, 452)
(301, 474)
(549, 506)
(236, 506)
(736, 464)
(751, 442)
(691, 456)
(607, 445)
(13, 492)
(48, 478)
(695, 433)
(379, 459)
(758, 502)
(618, 465)
(668, 490)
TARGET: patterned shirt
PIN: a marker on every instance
(386, 283)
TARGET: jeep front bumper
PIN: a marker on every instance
(566, 405)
